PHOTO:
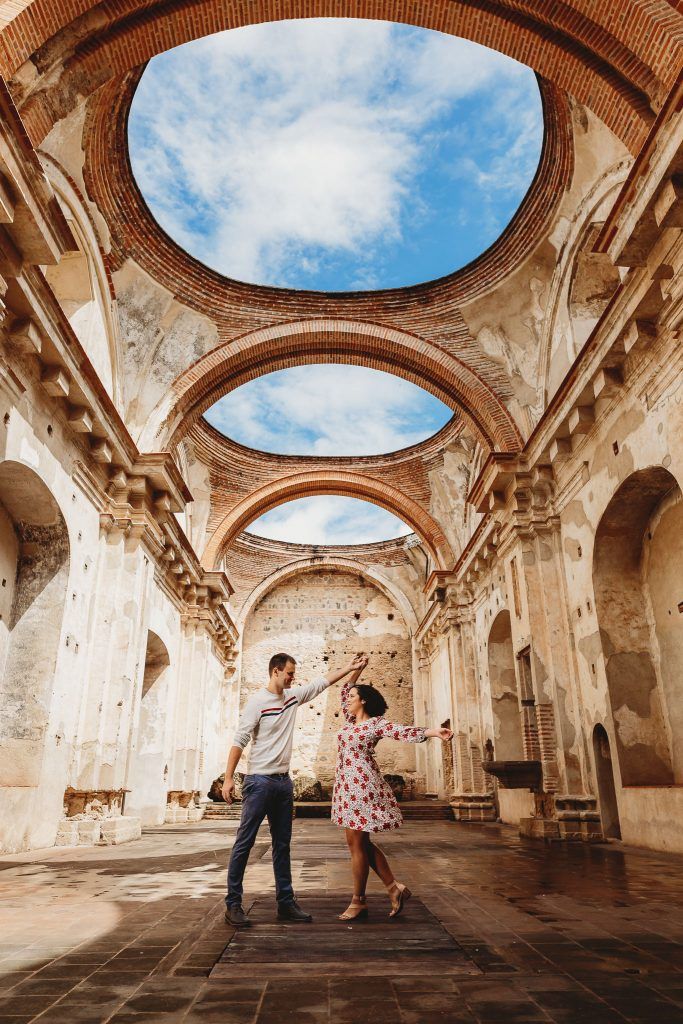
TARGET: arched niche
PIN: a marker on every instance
(637, 573)
(147, 781)
(507, 723)
(594, 281)
(34, 563)
(75, 287)
(80, 284)
(604, 775)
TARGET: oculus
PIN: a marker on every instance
(334, 154)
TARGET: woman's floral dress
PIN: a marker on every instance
(361, 798)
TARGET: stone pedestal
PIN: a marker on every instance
(575, 820)
(182, 805)
(473, 807)
(120, 830)
(67, 833)
(176, 815)
(89, 831)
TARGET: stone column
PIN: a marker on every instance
(186, 762)
(421, 687)
(473, 801)
(558, 724)
(113, 685)
(115, 663)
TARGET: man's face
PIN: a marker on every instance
(286, 675)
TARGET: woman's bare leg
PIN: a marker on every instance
(360, 868)
(398, 893)
(360, 865)
(378, 862)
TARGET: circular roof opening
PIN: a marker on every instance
(334, 154)
(328, 409)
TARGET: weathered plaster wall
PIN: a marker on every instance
(528, 330)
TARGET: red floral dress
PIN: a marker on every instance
(361, 798)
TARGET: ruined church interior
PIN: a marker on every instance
(532, 601)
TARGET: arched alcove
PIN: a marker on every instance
(79, 285)
(34, 561)
(637, 569)
(507, 723)
(594, 281)
(604, 774)
(147, 782)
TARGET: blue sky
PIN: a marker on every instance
(334, 154)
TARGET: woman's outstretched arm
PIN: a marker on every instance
(410, 733)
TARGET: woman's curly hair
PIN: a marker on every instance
(373, 701)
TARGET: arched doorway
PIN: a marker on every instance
(507, 724)
(604, 774)
(147, 783)
(34, 568)
(508, 741)
(637, 568)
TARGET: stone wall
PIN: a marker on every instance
(323, 618)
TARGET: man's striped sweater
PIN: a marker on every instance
(269, 720)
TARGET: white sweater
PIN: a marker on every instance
(269, 720)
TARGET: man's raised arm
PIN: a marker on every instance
(310, 690)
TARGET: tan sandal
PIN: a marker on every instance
(399, 894)
(360, 913)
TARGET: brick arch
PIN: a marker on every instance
(618, 58)
(348, 485)
(331, 563)
(334, 341)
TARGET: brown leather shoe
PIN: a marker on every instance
(236, 917)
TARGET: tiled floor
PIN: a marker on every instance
(566, 934)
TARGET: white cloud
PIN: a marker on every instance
(328, 410)
(282, 144)
(329, 520)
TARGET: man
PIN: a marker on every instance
(268, 719)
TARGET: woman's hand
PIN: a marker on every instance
(358, 663)
(440, 734)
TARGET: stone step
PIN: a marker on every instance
(412, 810)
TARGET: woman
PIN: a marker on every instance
(362, 802)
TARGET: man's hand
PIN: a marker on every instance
(358, 663)
(228, 790)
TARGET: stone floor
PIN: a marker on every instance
(500, 929)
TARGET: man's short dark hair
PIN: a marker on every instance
(278, 661)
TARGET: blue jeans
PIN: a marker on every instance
(270, 796)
